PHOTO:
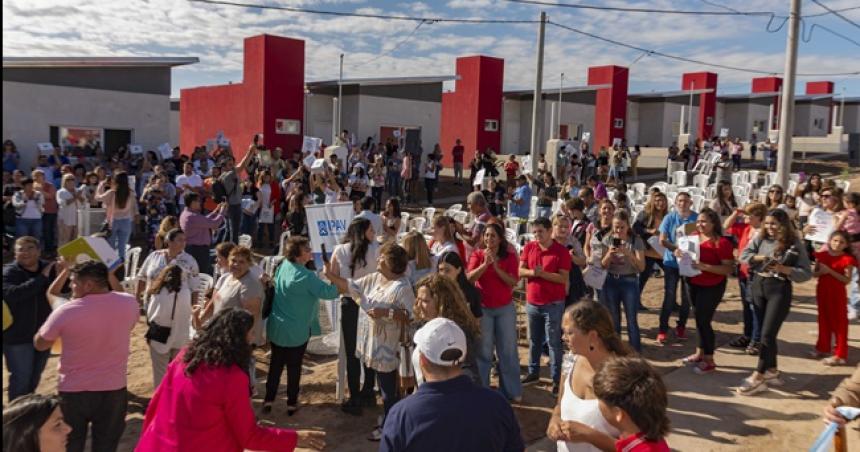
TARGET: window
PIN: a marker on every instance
(618, 123)
(81, 141)
(288, 126)
(759, 126)
(491, 125)
(709, 120)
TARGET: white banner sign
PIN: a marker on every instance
(166, 151)
(339, 151)
(327, 224)
(822, 222)
(311, 144)
(526, 164)
(479, 177)
(724, 132)
(586, 136)
(45, 148)
(135, 149)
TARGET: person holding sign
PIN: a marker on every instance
(822, 220)
(706, 290)
(680, 221)
(777, 257)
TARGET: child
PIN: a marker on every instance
(632, 397)
(833, 266)
(69, 200)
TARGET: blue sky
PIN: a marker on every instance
(214, 34)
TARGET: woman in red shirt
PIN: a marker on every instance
(203, 402)
(744, 229)
(495, 272)
(707, 289)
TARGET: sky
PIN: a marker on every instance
(387, 48)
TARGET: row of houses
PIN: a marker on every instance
(127, 100)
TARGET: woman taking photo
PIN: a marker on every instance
(743, 231)
(595, 232)
(647, 225)
(561, 233)
(706, 289)
(451, 266)
(168, 305)
(202, 404)
(173, 254)
(495, 271)
(577, 423)
(34, 423)
(622, 254)
(386, 305)
(777, 257)
(421, 263)
(355, 258)
(391, 219)
(438, 296)
(294, 319)
(121, 205)
(269, 195)
(725, 203)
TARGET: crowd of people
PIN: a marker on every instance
(428, 315)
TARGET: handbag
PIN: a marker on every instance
(594, 276)
(158, 333)
(405, 371)
(270, 293)
(267, 215)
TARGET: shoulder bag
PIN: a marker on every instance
(158, 333)
(405, 371)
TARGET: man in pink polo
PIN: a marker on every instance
(545, 264)
(95, 329)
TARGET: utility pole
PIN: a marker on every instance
(690, 110)
(786, 124)
(560, 89)
(339, 102)
(537, 104)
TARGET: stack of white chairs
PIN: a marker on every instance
(428, 213)
(638, 189)
(698, 202)
(511, 236)
(417, 224)
(456, 207)
(132, 259)
(245, 240)
(754, 176)
(711, 191)
(769, 179)
(701, 181)
(404, 221)
(460, 216)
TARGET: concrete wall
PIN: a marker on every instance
(29, 110)
(375, 112)
(513, 142)
(174, 128)
(851, 119)
(650, 123)
(318, 116)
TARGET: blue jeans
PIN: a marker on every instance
(671, 278)
(499, 332)
(120, 232)
(25, 366)
(393, 183)
(623, 291)
(545, 325)
(752, 324)
(31, 227)
(249, 224)
(854, 292)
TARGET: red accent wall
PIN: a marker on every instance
(769, 85)
(477, 97)
(272, 88)
(823, 88)
(707, 101)
(610, 104)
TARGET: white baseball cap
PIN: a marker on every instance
(442, 342)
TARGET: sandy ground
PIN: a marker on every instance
(745, 427)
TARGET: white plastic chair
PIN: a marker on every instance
(711, 191)
(533, 208)
(417, 224)
(638, 188)
(456, 207)
(428, 213)
(698, 202)
(460, 216)
(132, 258)
(696, 191)
(404, 220)
(754, 176)
(701, 181)
(245, 240)
(511, 235)
(679, 178)
(843, 184)
(792, 187)
(270, 263)
(770, 179)
(740, 190)
(660, 185)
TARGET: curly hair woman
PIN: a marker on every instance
(207, 388)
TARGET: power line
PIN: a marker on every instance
(833, 11)
(397, 46)
(690, 60)
(836, 13)
(808, 37)
(643, 10)
(367, 15)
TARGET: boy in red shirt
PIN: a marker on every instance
(632, 397)
(512, 167)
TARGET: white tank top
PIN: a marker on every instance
(582, 410)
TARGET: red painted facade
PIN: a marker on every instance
(272, 89)
(823, 88)
(769, 85)
(477, 97)
(610, 108)
(707, 101)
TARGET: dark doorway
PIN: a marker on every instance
(114, 138)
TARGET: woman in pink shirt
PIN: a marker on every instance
(203, 402)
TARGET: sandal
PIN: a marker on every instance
(754, 349)
(740, 342)
(750, 386)
(833, 361)
(692, 360)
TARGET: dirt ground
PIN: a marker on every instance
(347, 433)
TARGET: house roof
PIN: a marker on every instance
(67, 62)
(667, 94)
(382, 81)
(529, 93)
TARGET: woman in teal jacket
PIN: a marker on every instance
(294, 318)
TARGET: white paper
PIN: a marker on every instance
(135, 149)
(309, 160)
(318, 166)
(616, 142)
(166, 151)
(311, 144)
(586, 136)
(690, 246)
(479, 177)
(526, 164)
(45, 148)
(724, 132)
(823, 223)
(340, 151)
(654, 241)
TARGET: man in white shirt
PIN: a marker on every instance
(188, 181)
(366, 212)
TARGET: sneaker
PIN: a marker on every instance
(773, 378)
(681, 333)
(815, 354)
(661, 338)
(704, 368)
(740, 342)
(754, 348)
(750, 386)
(530, 379)
(375, 435)
(833, 361)
(555, 389)
(692, 360)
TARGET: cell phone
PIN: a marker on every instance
(616, 242)
(324, 253)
